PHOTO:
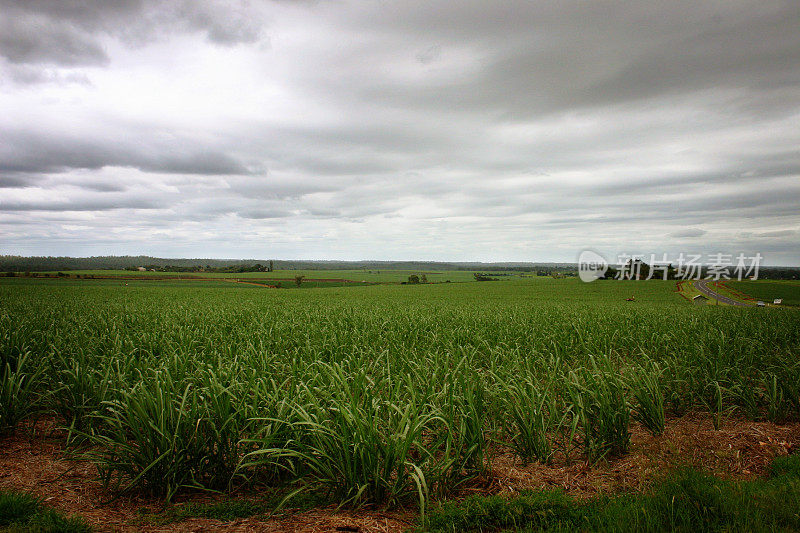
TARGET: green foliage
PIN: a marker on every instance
(683, 501)
(230, 509)
(17, 390)
(539, 510)
(83, 388)
(714, 401)
(598, 398)
(363, 447)
(381, 394)
(647, 391)
(533, 415)
(21, 511)
(788, 466)
(163, 435)
(788, 291)
(16, 507)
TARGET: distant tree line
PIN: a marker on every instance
(779, 273)
(15, 263)
(20, 264)
(640, 270)
(128, 262)
(227, 269)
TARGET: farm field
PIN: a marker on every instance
(387, 400)
(768, 290)
(375, 276)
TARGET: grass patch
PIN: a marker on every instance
(768, 290)
(687, 500)
(21, 511)
(233, 509)
(788, 466)
(688, 290)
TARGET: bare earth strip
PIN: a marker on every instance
(741, 449)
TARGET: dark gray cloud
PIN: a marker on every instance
(430, 54)
(35, 152)
(40, 40)
(473, 131)
(72, 32)
(260, 214)
(274, 187)
(81, 204)
(103, 187)
(225, 23)
(689, 233)
(536, 58)
(18, 180)
(34, 75)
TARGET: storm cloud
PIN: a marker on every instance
(514, 131)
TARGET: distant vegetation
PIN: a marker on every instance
(787, 291)
(228, 269)
(10, 263)
(46, 264)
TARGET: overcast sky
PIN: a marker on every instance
(488, 131)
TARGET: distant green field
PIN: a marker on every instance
(122, 283)
(376, 276)
(542, 289)
(769, 290)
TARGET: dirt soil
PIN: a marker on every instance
(34, 460)
(741, 449)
